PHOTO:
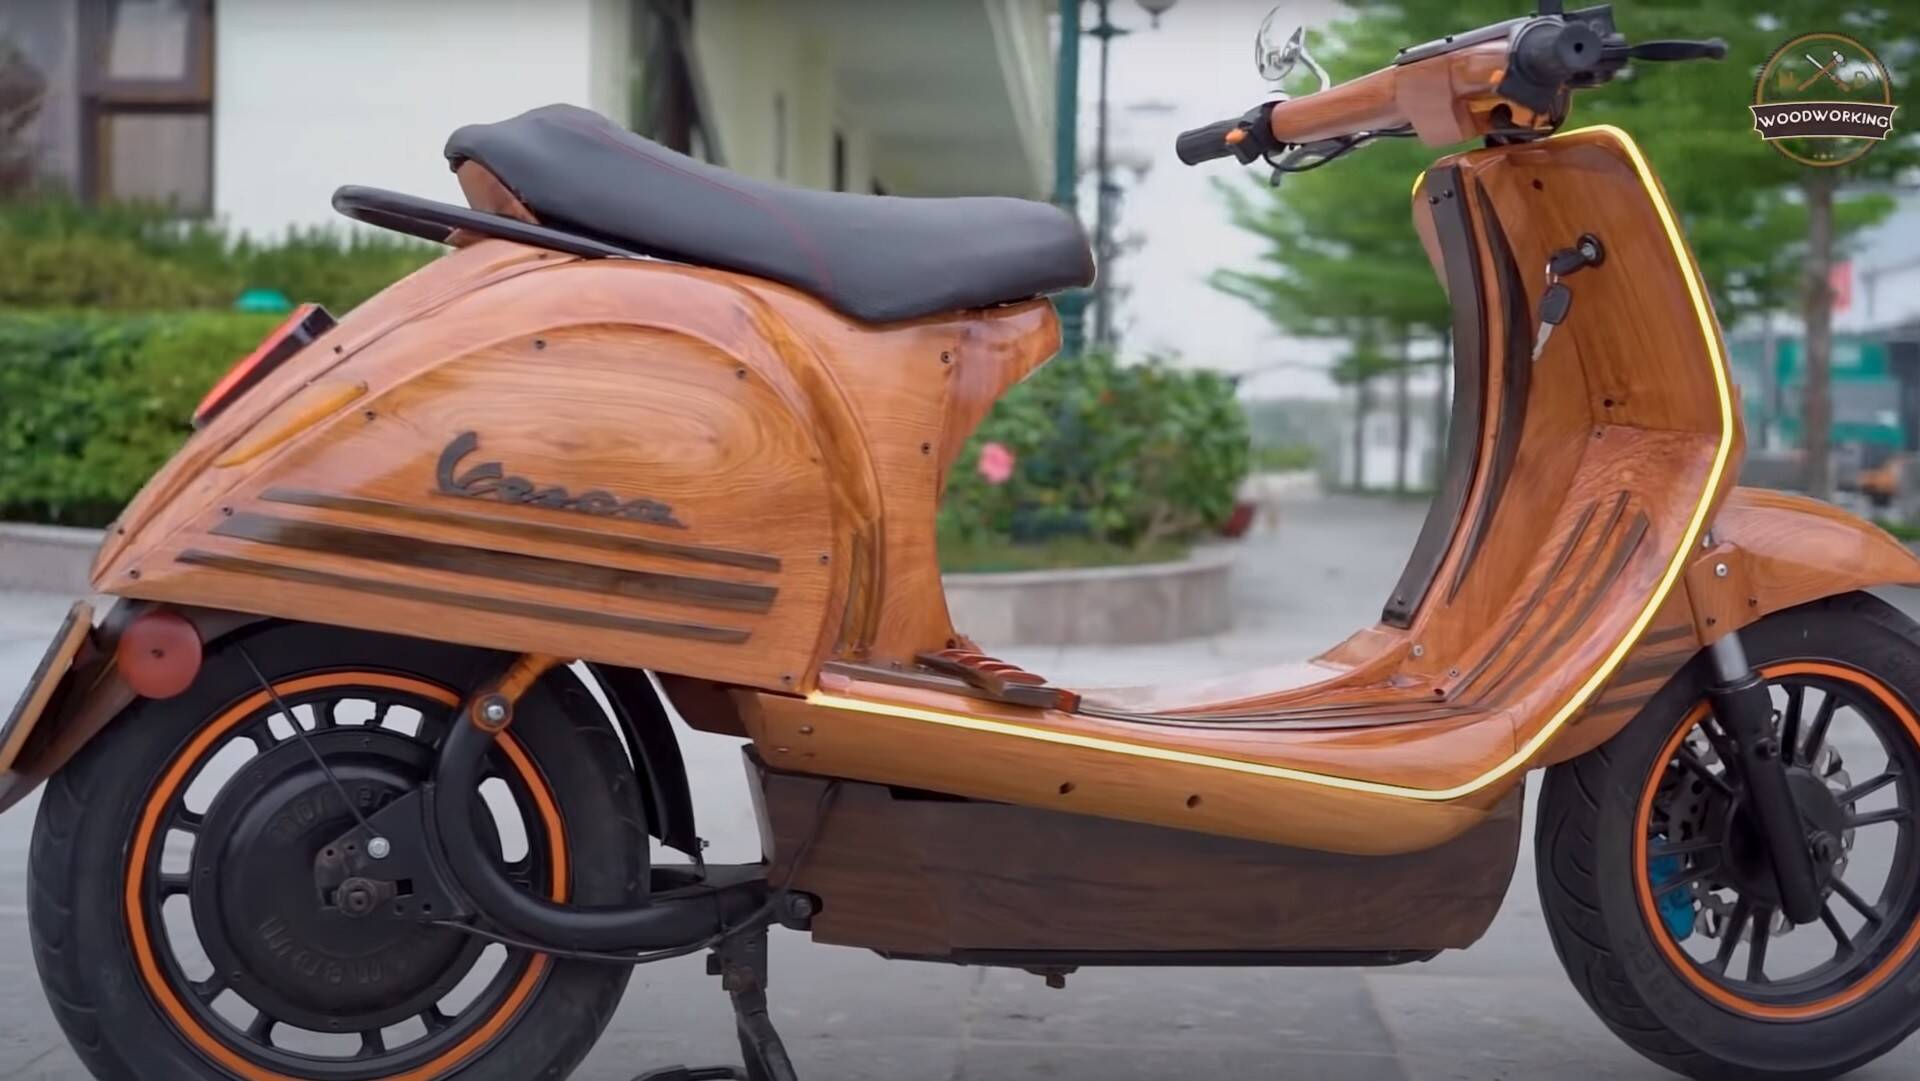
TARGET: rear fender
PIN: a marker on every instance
(94, 692)
(1769, 551)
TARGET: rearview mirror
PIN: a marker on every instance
(1275, 58)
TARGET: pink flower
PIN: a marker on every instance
(996, 463)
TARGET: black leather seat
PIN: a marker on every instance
(877, 258)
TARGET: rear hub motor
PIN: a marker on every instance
(300, 921)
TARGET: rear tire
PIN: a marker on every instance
(124, 1018)
(1596, 885)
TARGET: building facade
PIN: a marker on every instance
(253, 111)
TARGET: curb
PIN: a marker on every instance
(1128, 604)
(47, 558)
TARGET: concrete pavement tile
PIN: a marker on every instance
(1169, 1008)
(1200, 1062)
(1448, 1028)
(815, 991)
(620, 1058)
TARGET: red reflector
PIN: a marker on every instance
(307, 322)
(159, 653)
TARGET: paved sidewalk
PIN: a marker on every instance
(1499, 1011)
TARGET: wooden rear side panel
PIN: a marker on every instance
(629, 462)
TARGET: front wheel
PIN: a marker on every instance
(1661, 899)
(181, 927)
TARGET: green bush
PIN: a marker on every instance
(61, 254)
(91, 405)
(1127, 455)
(1285, 457)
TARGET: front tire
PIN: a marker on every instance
(1657, 901)
(173, 908)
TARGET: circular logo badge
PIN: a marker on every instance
(1823, 100)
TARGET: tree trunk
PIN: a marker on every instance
(1442, 408)
(1816, 393)
(1362, 405)
(1402, 413)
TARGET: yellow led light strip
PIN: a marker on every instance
(1540, 739)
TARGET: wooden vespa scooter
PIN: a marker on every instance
(690, 430)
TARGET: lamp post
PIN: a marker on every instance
(1073, 306)
(1066, 159)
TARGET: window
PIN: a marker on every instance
(668, 104)
(780, 136)
(146, 71)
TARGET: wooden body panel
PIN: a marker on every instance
(629, 462)
(1600, 465)
(937, 878)
(1780, 550)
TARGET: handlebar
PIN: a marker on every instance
(1510, 79)
(1206, 143)
(1710, 49)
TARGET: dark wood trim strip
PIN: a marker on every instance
(1539, 594)
(417, 554)
(1517, 368)
(520, 530)
(1636, 532)
(1532, 648)
(1654, 638)
(523, 609)
(1460, 259)
(1639, 669)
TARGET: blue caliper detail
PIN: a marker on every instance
(1676, 906)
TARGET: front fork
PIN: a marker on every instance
(1745, 709)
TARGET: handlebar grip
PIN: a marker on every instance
(1710, 49)
(1207, 143)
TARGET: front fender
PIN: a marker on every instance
(1770, 551)
(1781, 550)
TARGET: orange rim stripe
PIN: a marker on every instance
(1682, 963)
(183, 766)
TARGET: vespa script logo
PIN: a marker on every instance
(1823, 99)
(488, 480)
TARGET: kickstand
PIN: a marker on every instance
(741, 964)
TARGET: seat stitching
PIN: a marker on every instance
(792, 228)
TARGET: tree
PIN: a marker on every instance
(1765, 229)
(1337, 266)
(22, 89)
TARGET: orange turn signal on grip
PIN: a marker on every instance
(1236, 136)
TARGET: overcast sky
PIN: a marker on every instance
(1195, 69)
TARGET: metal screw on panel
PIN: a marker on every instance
(379, 848)
(494, 711)
(1419, 651)
(1719, 570)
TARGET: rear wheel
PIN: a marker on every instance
(181, 929)
(1659, 893)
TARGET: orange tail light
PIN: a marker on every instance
(307, 323)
